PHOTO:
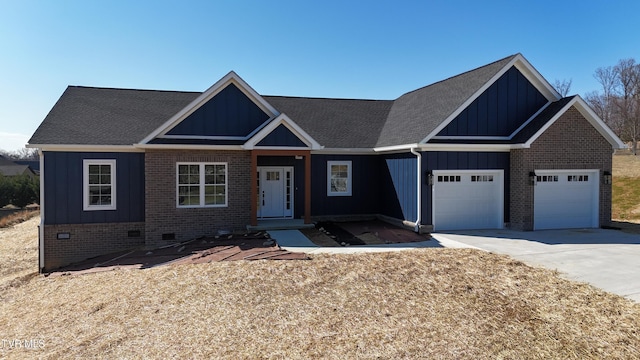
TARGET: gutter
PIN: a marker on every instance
(418, 188)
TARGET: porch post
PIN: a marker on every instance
(307, 188)
(254, 190)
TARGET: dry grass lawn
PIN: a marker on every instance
(430, 303)
(626, 188)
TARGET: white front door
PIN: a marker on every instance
(275, 192)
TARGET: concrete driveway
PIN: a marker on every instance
(608, 259)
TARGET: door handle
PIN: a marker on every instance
(263, 198)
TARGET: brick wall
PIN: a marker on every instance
(570, 143)
(161, 213)
(87, 241)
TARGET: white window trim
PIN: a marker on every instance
(201, 185)
(86, 206)
(349, 179)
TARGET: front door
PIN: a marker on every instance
(275, 195)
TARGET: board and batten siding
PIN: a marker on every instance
(281, 136)
(64, 188)
(399, 190)
(439, 160)
(365, 187)
(500, 109)
(228, 113)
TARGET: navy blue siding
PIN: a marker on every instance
(229, 113)
(365, 188)
(63, 188)
(463, 161)
(298, 178)
(281, 136)
(399, 190)
(500, 110)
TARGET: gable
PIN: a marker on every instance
(500, 110)
(228, 113)
(281, 136)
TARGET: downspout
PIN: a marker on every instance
(41, 227)
(418, 187)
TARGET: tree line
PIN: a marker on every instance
(618, 101)
(20, 190)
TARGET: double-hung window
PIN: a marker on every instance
(339, 178)
(201, 184)
(99, 184)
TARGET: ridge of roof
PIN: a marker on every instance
(510, 57)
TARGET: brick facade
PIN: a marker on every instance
(162, 216)
(87, 241)
(570, 143)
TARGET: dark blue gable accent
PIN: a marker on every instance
(500, 110)
(463, 161)
(281, 136)
(229, 113)
(63, 188)
(365, 186)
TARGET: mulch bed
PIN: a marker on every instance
(253, 246)
(370, 232)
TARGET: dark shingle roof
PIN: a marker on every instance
(416, 114)
(105, 116)
(102, 116)
(540, 120)
(336, 123)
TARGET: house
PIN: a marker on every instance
(493, 147)
(14, 168)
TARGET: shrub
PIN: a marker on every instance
(19, 190)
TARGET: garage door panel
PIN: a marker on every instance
(468, 200)
(566, 199)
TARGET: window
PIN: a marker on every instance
(201, 184)
(99, 184)
(578, 178)
(547, 178)
(448, 178)
(339, 178)
(481, 178)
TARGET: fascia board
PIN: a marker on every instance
(282, 119)
(230, 78)
(84, 148)
(187, 147)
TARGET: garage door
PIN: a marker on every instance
(468, 200)
(566, 199)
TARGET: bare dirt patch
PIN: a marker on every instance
(426, 303)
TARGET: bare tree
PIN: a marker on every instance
(562, 86)
(619, 102)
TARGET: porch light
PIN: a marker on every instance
(429, 178)
(532, 178)
(607, 177)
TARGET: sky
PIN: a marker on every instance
(339, 49)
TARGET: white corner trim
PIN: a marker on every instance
(284, 120)
(527, 70)
(42, 215)
(230, 78)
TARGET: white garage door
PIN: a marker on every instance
(565, 199)
(468, 199)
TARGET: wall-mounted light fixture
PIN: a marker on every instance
(607, 177)
(532, 178)
(429, 178)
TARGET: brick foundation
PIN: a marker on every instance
(87, 241)
(570, 143)
(162, 216)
